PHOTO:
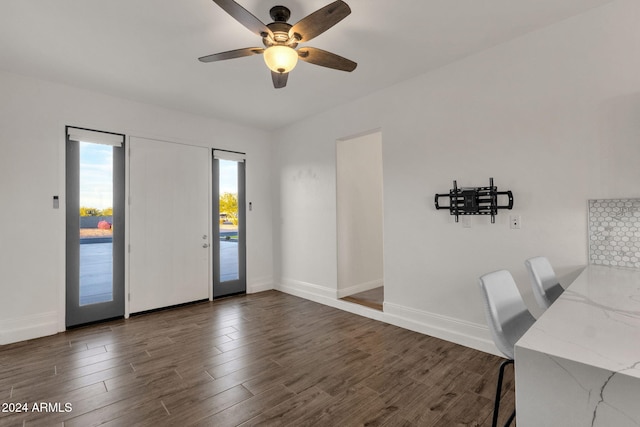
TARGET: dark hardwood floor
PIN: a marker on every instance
(264, 359)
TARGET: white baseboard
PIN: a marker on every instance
(306, 290)
(260, 285)
(28, 327)
(458, 331)
(360, 287)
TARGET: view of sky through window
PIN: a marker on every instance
(96, 175)
(228, 177)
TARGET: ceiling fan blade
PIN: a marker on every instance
(238, 53)
(323, 58)
(244, 17)
(320, 21)
(279, 79)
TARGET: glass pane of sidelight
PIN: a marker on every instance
(96, 223)
(228, 220)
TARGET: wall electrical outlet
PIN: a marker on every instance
(515, 221)
(466, 221)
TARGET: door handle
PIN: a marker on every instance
(205, 245)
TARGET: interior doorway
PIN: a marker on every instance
(95, 193)
(360, 219)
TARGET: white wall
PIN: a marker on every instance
(553, 116)
(33, 114)
(359, 213)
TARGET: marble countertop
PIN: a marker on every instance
(596, 321)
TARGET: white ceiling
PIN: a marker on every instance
(147, 50)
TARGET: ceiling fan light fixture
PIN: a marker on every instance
(280, 59)
(281, 39)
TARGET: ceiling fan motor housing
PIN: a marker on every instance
(280, 32)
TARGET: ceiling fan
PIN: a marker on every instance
(281, 39)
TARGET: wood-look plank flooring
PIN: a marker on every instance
(373, 298)
(267, 359)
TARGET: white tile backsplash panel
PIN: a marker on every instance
(614, 232)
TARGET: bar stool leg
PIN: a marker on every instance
(496, 406)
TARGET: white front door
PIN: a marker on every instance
(168, 224)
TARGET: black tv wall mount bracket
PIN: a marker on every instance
(475, 200)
